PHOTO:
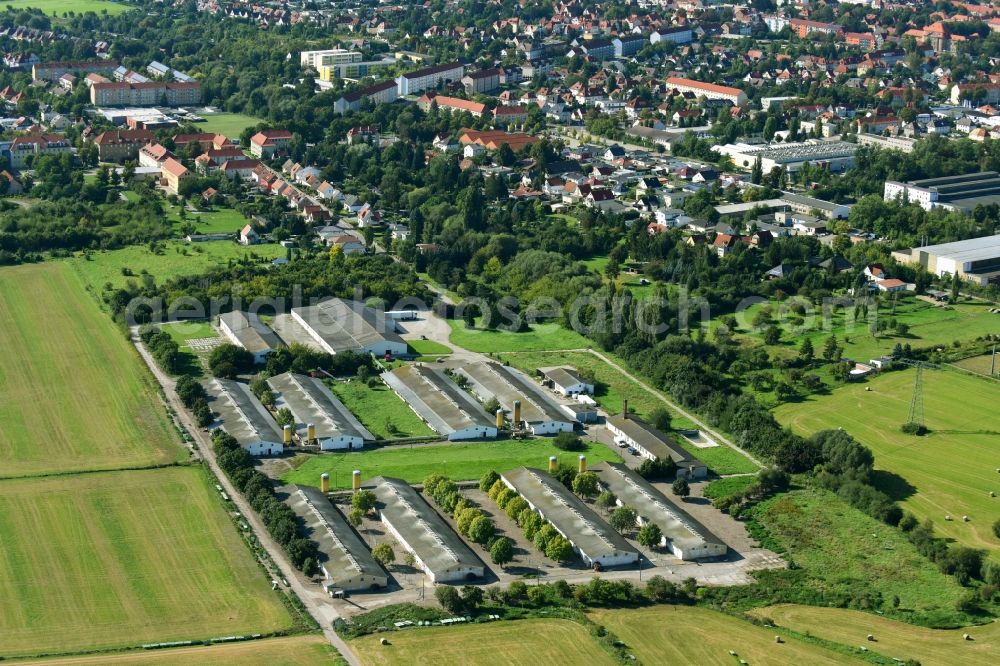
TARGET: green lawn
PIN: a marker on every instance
(843, 551)
(74, 394)
(459, 461)
(983, 364)
(727, 487)
(229, 124)
(952, 470)
(720, 459)
(59, 7)
(377, 407)
(541, 337)
(98, 561)
(183, 331)
(177, 258)
(220, 220)
(427, 347)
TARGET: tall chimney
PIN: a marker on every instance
(625, 408)
(516, 419)
(553, 463)
(356, 480)
(582, 465)
(324, 482)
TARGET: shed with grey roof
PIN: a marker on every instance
(440, 403)
(312, 403)
(246, 330)
(566, 381)
(594, 540)
(337, 326)
(682, 534)
(243, 416)
(539, 413)
(348, 564)
(653, 444)
(437, 549)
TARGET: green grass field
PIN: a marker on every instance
(120, 558)
(178, 258)
(721, 459)
(184, 331)
(218, 221)
(73, 393)
(59, 7)
(703, 637)
(377, 407)
(549, 642)
(541, 337)
(929, 325)
(428, 348)
(843, 549)
(952, 470)
(931, 647)
(284, 651)
(229, 124)
(981, 365)
(727, 487)
(458, 461)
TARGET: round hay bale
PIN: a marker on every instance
(863, 648)
(967, 637)
(777, 639)
(732, 653)
(965, 519)
(948, 517)
(384, 641)
(871, 637)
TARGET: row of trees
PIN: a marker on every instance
(164, 349)
(278, 517)
(194, 397)
(536, 529)
(469, 519)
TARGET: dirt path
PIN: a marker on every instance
(322, 613)
(673, 405)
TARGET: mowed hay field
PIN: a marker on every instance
(931, 647)
(288, 651)
(549, 642)
(58, 7)
(115, 559)
(701, 637)
(952, 470)
(73, 392)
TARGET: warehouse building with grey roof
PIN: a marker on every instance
(592, 537)
(440, 402)
(242, 415)
(319, 414)
(348, 564)
(653, 444)
(246, 330)
(437, 549)
(530, 406)
(337, 326)
(686, 538)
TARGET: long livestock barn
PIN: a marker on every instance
(529, 405)
(440, 403)
(337, 326)
(595, 540)
(242, 415)
(349, 564)
(440, 552)
(653, 444)
(319, 414)
(686, 537)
